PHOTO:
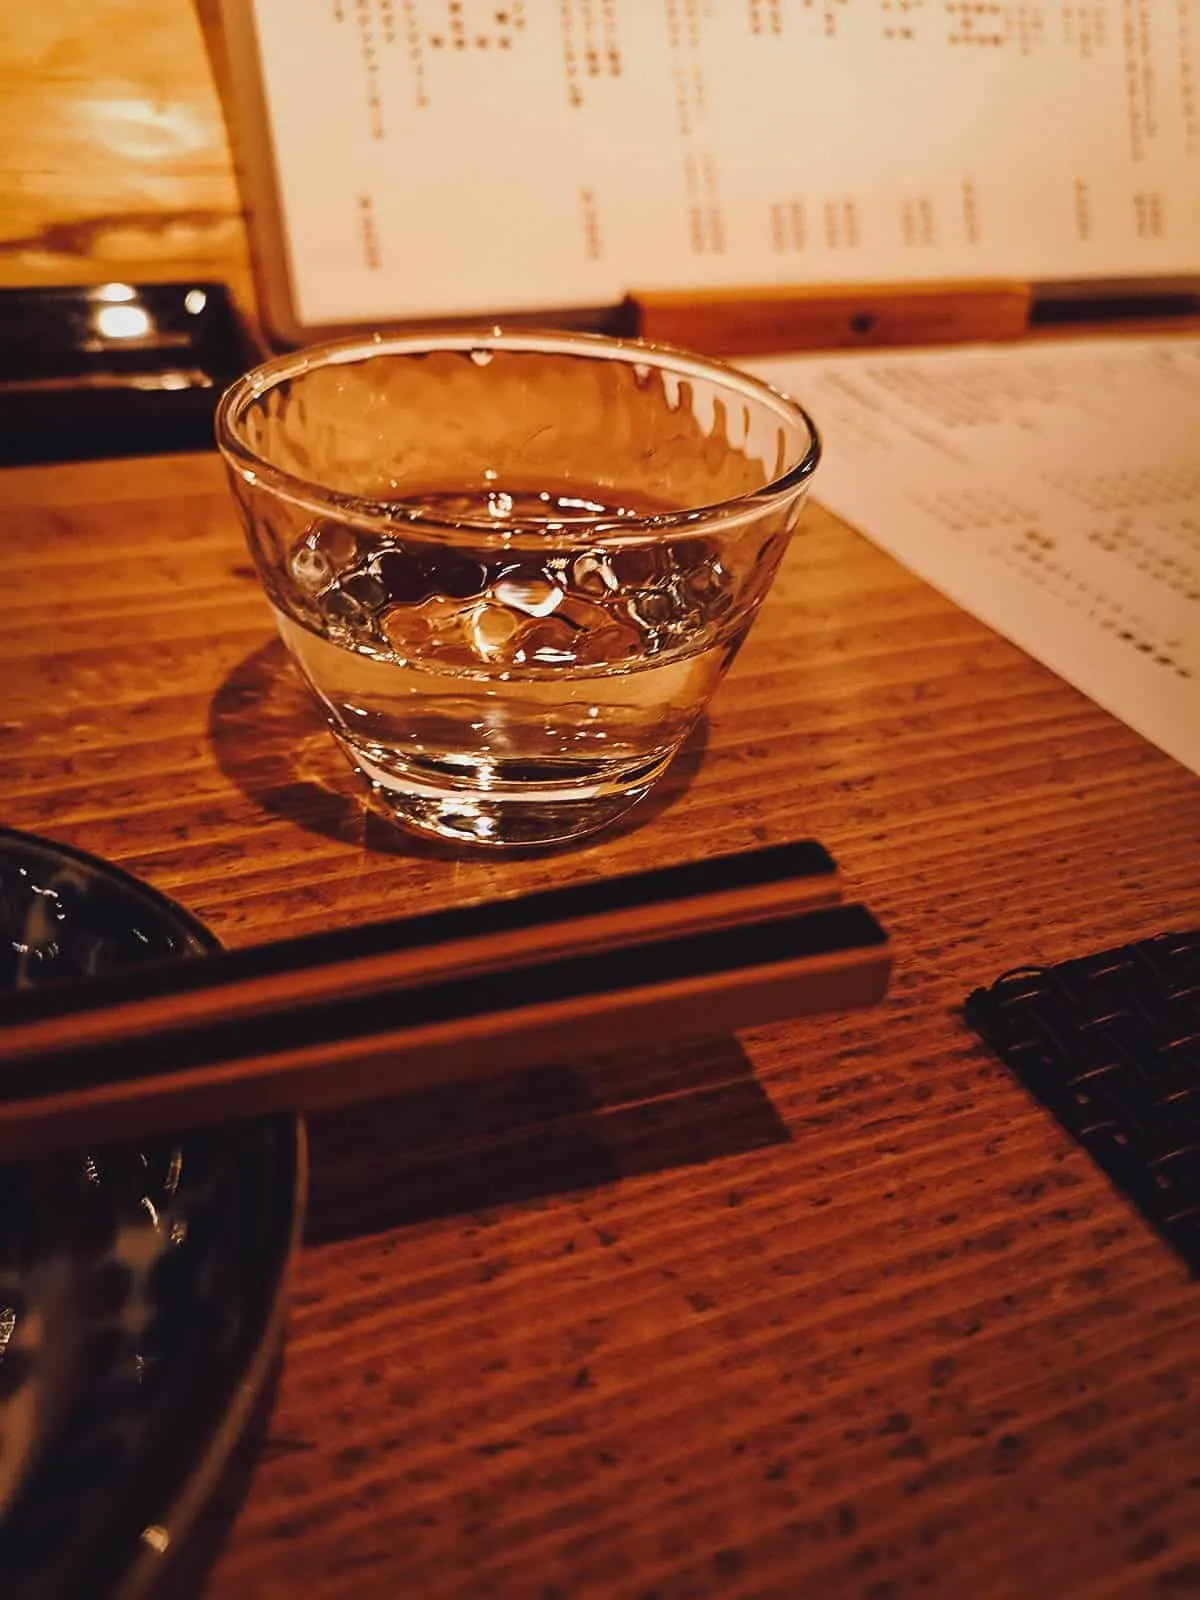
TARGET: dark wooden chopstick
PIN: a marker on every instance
(404, 952)
(403, 1006)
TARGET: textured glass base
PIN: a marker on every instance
(505, 814)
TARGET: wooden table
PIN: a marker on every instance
(830, 1310)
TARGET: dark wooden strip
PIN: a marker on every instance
(389, 1043)
(655, 894)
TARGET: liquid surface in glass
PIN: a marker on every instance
(564, 675)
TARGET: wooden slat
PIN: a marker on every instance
(832, 317)
(767, 321)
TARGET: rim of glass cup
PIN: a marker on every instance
(369, 511)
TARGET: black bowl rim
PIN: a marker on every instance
(151, 1563)
(109, 870)
(151, 1558)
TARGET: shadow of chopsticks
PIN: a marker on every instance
(507, 1140)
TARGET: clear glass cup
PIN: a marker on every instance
(512, 568)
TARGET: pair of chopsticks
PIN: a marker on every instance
(401, 1006)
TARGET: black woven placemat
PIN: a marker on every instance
(1111, 1045)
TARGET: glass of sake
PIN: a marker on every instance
(512, 568)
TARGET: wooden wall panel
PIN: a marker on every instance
(114, 157)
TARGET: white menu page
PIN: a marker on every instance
(1051, 490)
(440, 156)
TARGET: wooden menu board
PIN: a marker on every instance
(409, 159)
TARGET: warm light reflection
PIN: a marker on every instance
(142, 129)
(194, 301)
(123, 322)
(115, 292)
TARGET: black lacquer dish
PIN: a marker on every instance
(141, 1285)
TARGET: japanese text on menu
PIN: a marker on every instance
(457, 155)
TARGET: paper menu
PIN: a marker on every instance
(1051, 490)
(443, 156)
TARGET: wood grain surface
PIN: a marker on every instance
(114, 157)
(829, 1309)
(740, 322)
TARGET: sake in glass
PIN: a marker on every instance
(512, 568)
